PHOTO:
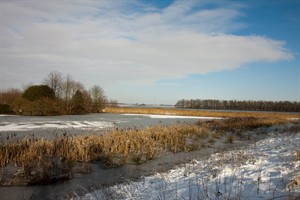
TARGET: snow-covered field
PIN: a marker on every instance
(264, 170)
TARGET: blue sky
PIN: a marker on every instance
(157, 51)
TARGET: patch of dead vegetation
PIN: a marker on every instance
(294, 183)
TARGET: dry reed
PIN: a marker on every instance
(120, 146)
(116, 147)
(238, 124)
(202, 113)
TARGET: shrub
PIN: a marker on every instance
(36, 92)
(5, 109)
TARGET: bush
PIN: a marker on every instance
(36, 92)
(5, 109)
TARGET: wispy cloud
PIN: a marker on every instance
(118, 41)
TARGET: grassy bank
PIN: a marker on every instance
(201, 113)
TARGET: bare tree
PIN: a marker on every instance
(9, 95)
(98, 97)
(69, 87)
(54, 81)
(68, 90)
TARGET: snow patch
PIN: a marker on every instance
(172, 116)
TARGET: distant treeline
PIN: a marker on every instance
(277, 106)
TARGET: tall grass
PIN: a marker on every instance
(115, 148)
(142, 145)
(245, 123)
(201, 113)
(119, 146)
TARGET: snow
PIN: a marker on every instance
(25, 126)
(260, 171)
(172, 116)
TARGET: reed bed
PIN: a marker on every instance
(119, 146)
(115, 148)
(143, 145)
(201, 113)
(238, 124)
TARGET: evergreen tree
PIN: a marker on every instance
(78, 103)
(36, 92)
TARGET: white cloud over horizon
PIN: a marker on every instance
(117, 42)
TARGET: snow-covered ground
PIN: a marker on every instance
(261, 171)
(172, 116)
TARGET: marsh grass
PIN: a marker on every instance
(239, 124)
(123, 146)
(202, 113)
(117, 146)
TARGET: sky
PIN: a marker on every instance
(156, 52)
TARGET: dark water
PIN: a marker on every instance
(99, 178)
(23, 126)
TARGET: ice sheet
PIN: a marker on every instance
(25, 126)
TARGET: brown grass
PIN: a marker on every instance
(294, 183)
(239, 124)
(116, 147)
(146, 144)
(120, 146)
(201, 113)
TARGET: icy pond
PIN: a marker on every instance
(23, 126)
(81, 124)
